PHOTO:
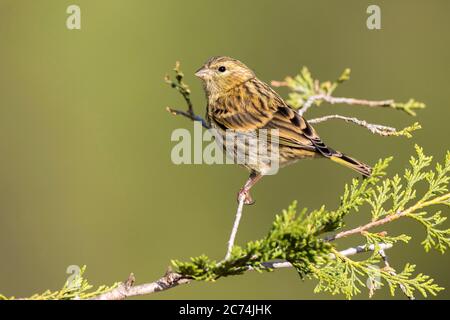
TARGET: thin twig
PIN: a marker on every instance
(235, 227)
(391, 270)
(188, 115)
(360, 102)
(374, 128)
(341, 100)
(185, 92)
(173, 279)
(123, 291)
(308, 104)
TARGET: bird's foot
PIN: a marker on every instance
(245, 194)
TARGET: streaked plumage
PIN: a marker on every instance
(239, 101)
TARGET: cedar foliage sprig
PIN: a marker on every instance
(299, 237)
(78, 288)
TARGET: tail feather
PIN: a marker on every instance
(341, 158)
(351, 163)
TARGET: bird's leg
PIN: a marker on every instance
(245, 191)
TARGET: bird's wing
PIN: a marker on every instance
(296, 132)
(244, 108)
(254, 105)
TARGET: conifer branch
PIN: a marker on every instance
(172, 279)
(391, 217)
(307, 92)
(235, 228)
(391, 270)
(298, 238)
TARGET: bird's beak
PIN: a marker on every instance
(202, 73)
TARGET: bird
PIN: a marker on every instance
(238, 102)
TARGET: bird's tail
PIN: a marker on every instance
(351, 163)
(341, 158)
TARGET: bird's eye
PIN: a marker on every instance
(222, 69)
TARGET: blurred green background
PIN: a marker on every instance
(85, 169)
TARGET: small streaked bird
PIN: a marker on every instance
(239, 102)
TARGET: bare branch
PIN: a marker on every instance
(184, 90)
(172, 279)
(340, 100)
(374, 128)
(188, 115)
(309, 103)
(123, 291)
(391, 270)
(235, 227)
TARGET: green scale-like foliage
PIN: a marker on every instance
(307, 239)
(77, 289)
(300, 238)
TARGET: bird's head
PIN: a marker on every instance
(221, 74)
